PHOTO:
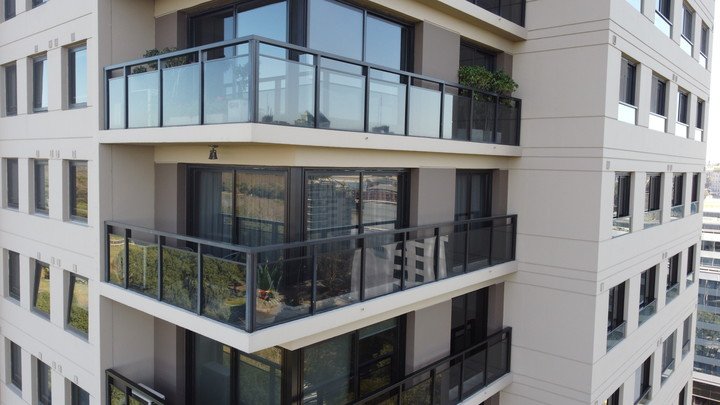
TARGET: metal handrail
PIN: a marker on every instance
(131, 387)
(254, 41)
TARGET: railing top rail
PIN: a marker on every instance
(292, 245)
(502, 334)
(617, 328)
(297, 48)
(117, 376)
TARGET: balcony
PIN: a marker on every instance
(677, 211)
(259, 80)
(252, 288)
(512, 10)
(647, 312)
(672, 292)
(121, 390)
(652, 218)
(616, 335)
(452, 379)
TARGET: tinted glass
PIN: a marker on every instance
(682, 107)
(11, 167)
(44, 384)
(335, 28)
(78, 313)
(657, 102)
(687, 29)
(260, 208)
(212, 27)
(14, 275)
(700, 114)
(41, 296)
(704, 34)
(11, 89)
(9, 9)
(663, 7)
(627, 82)
(42, 187)
(40, 84)
(377, 356)
(677, 190)
(473, 194)
(331, 204)
(267, 21)
(16, 365)
(473, 56)
(652, 192)
(78, 190)
(211, 369)
(79, 396)
(384, 43)
(327, 371)
(260, 376)
(622, 196)
(78, 76)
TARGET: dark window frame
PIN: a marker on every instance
(622, 194)
(71, 295)
(41, 194)
(658, 96)
(474, 329)
(44, 372)
(678, 192)
(628, 81)
(37, 104)
(73, 190)
(673, 275)
(78, 396)
(648, 289)
(72, 85)
(9, 9)
(616, 306)
(704, 40)
(11, 105)
(12, 183)
(477, 49)
(683, 105)
(653, 191)
(36, 288)
(16, 365)
(664, 8)
(13, 265)
(487, 203)
(688, 20)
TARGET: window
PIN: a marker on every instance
(13, 275)
(652, 192)
(682, 116)
(704, 39)
(41, 290)
(695, 193)
(616, 307)
(658, 93)
(473, 195)
(42, 187)
(677, 189)
(687, 330)
(690, 274)
(11, 88)
(647, 287)
(663, 8)
(699, 119)
(642, 381)
(79, 396)
(614, 399)
(15, 365)
(36, 3)
(44, 383)
(77, 76)
(9, 6)
(11, 183)
(621, 206)
(687, 28)
(78, 304)
(471, 55)
(469, 320)
(78, 172)
(40, 84)
(668, 357)
(673, 270)
(627, 81)
(681, 397)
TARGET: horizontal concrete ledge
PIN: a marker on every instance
(492, 389)
(303, 332)
(298, 136)
(482, 18)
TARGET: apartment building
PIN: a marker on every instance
(261, 202)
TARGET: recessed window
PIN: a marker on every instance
(36, 3)
(13, 266)
(627, 81)
(78, 172)
(621, 207)
(677, 189)
(12, 198)
(77, 80)
(471, 55)
(647, 292)
(690, 274)
(80, 396)
(40, 84)
(44, 383)
(704, 39)
(10, 88)
(687, 334)
(687, 28)
(42, 186)
(78, 304)
(657, 96)
(41, 290)
(652, 192)
(616, 315)
(9, 6)
(695, 193)
(614, 399)
(663, 8)
(642, 382)
(682, 115)
(699, 121)
(672, 284)
(469, 320)
(16, 365)
(668, 358)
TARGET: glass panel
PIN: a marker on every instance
(335, 28)
(508, 122)
(143, 270)
(40, 85)
(386, 108)
(497, 360)
(331, 204)
(456, 114)
(474, 371)
(14, 275)
(284, 288)
(502, 241)
(483, 118)
(418, 390)
(44, 384)
(420, 261)
(260, 377)
(143, 101)
(116, 102)
(12, 183)
(226, 95)
(380, 202)
(383, 265)
(78, 316)
(384, 43)
(376, 356)
(181, 95)
(79, 396)
(78, 76)
(213, 205)
(260, 207)
(342, 100)
(180, 277)
(11, 88)
(268, 21)
(662, 24)
(453, 249)
(211, 369)
(637, 4)
(41, 300)
(327, 371)
(615, 336)
(338, 276)
(286, 92)
(447, 384)
(78, 190)
(479, 245)
(117, 396)
(42, 186)
(424, 117)
(224, 287)
(117, 259)
(212, 27)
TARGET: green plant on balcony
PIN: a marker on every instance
(269, 299)
(483, 79)
(167, 63)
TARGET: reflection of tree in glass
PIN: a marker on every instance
(180, 277)
(260, 377)
(223, 289)
(78, 317)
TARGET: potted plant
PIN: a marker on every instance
(269, 299)
(483, 79)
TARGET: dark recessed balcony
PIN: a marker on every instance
(513, 10)
(256, 287)
(260, 80)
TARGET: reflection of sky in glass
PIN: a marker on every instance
(335, 28)
(383, 43)
(81, 76)
(268, 21)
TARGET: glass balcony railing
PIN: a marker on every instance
(672, 292)
(616, 335)
(621, 226)
(513, 10)
(645, 397)
(652, 218)
(260, 80)
(256, 287)
(121, 390)
(677, 211)
(667, 372)
(453, 379)
(647, 312)
(694, 207)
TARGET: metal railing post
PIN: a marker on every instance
(199, 288)
(201, 118)
(313, 299)
(466, 264)
(160, 243)
(126, 269)
(251, 292)
(442, 110)
(403, 257)
(253, 83)
(490, 245)
(160, 93)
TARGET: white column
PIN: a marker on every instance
(24, 84)
(642, 92)
(55, 78)
(25, 191)
(633, 298)
(666, 181)
(637, 201)
(56, 180)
